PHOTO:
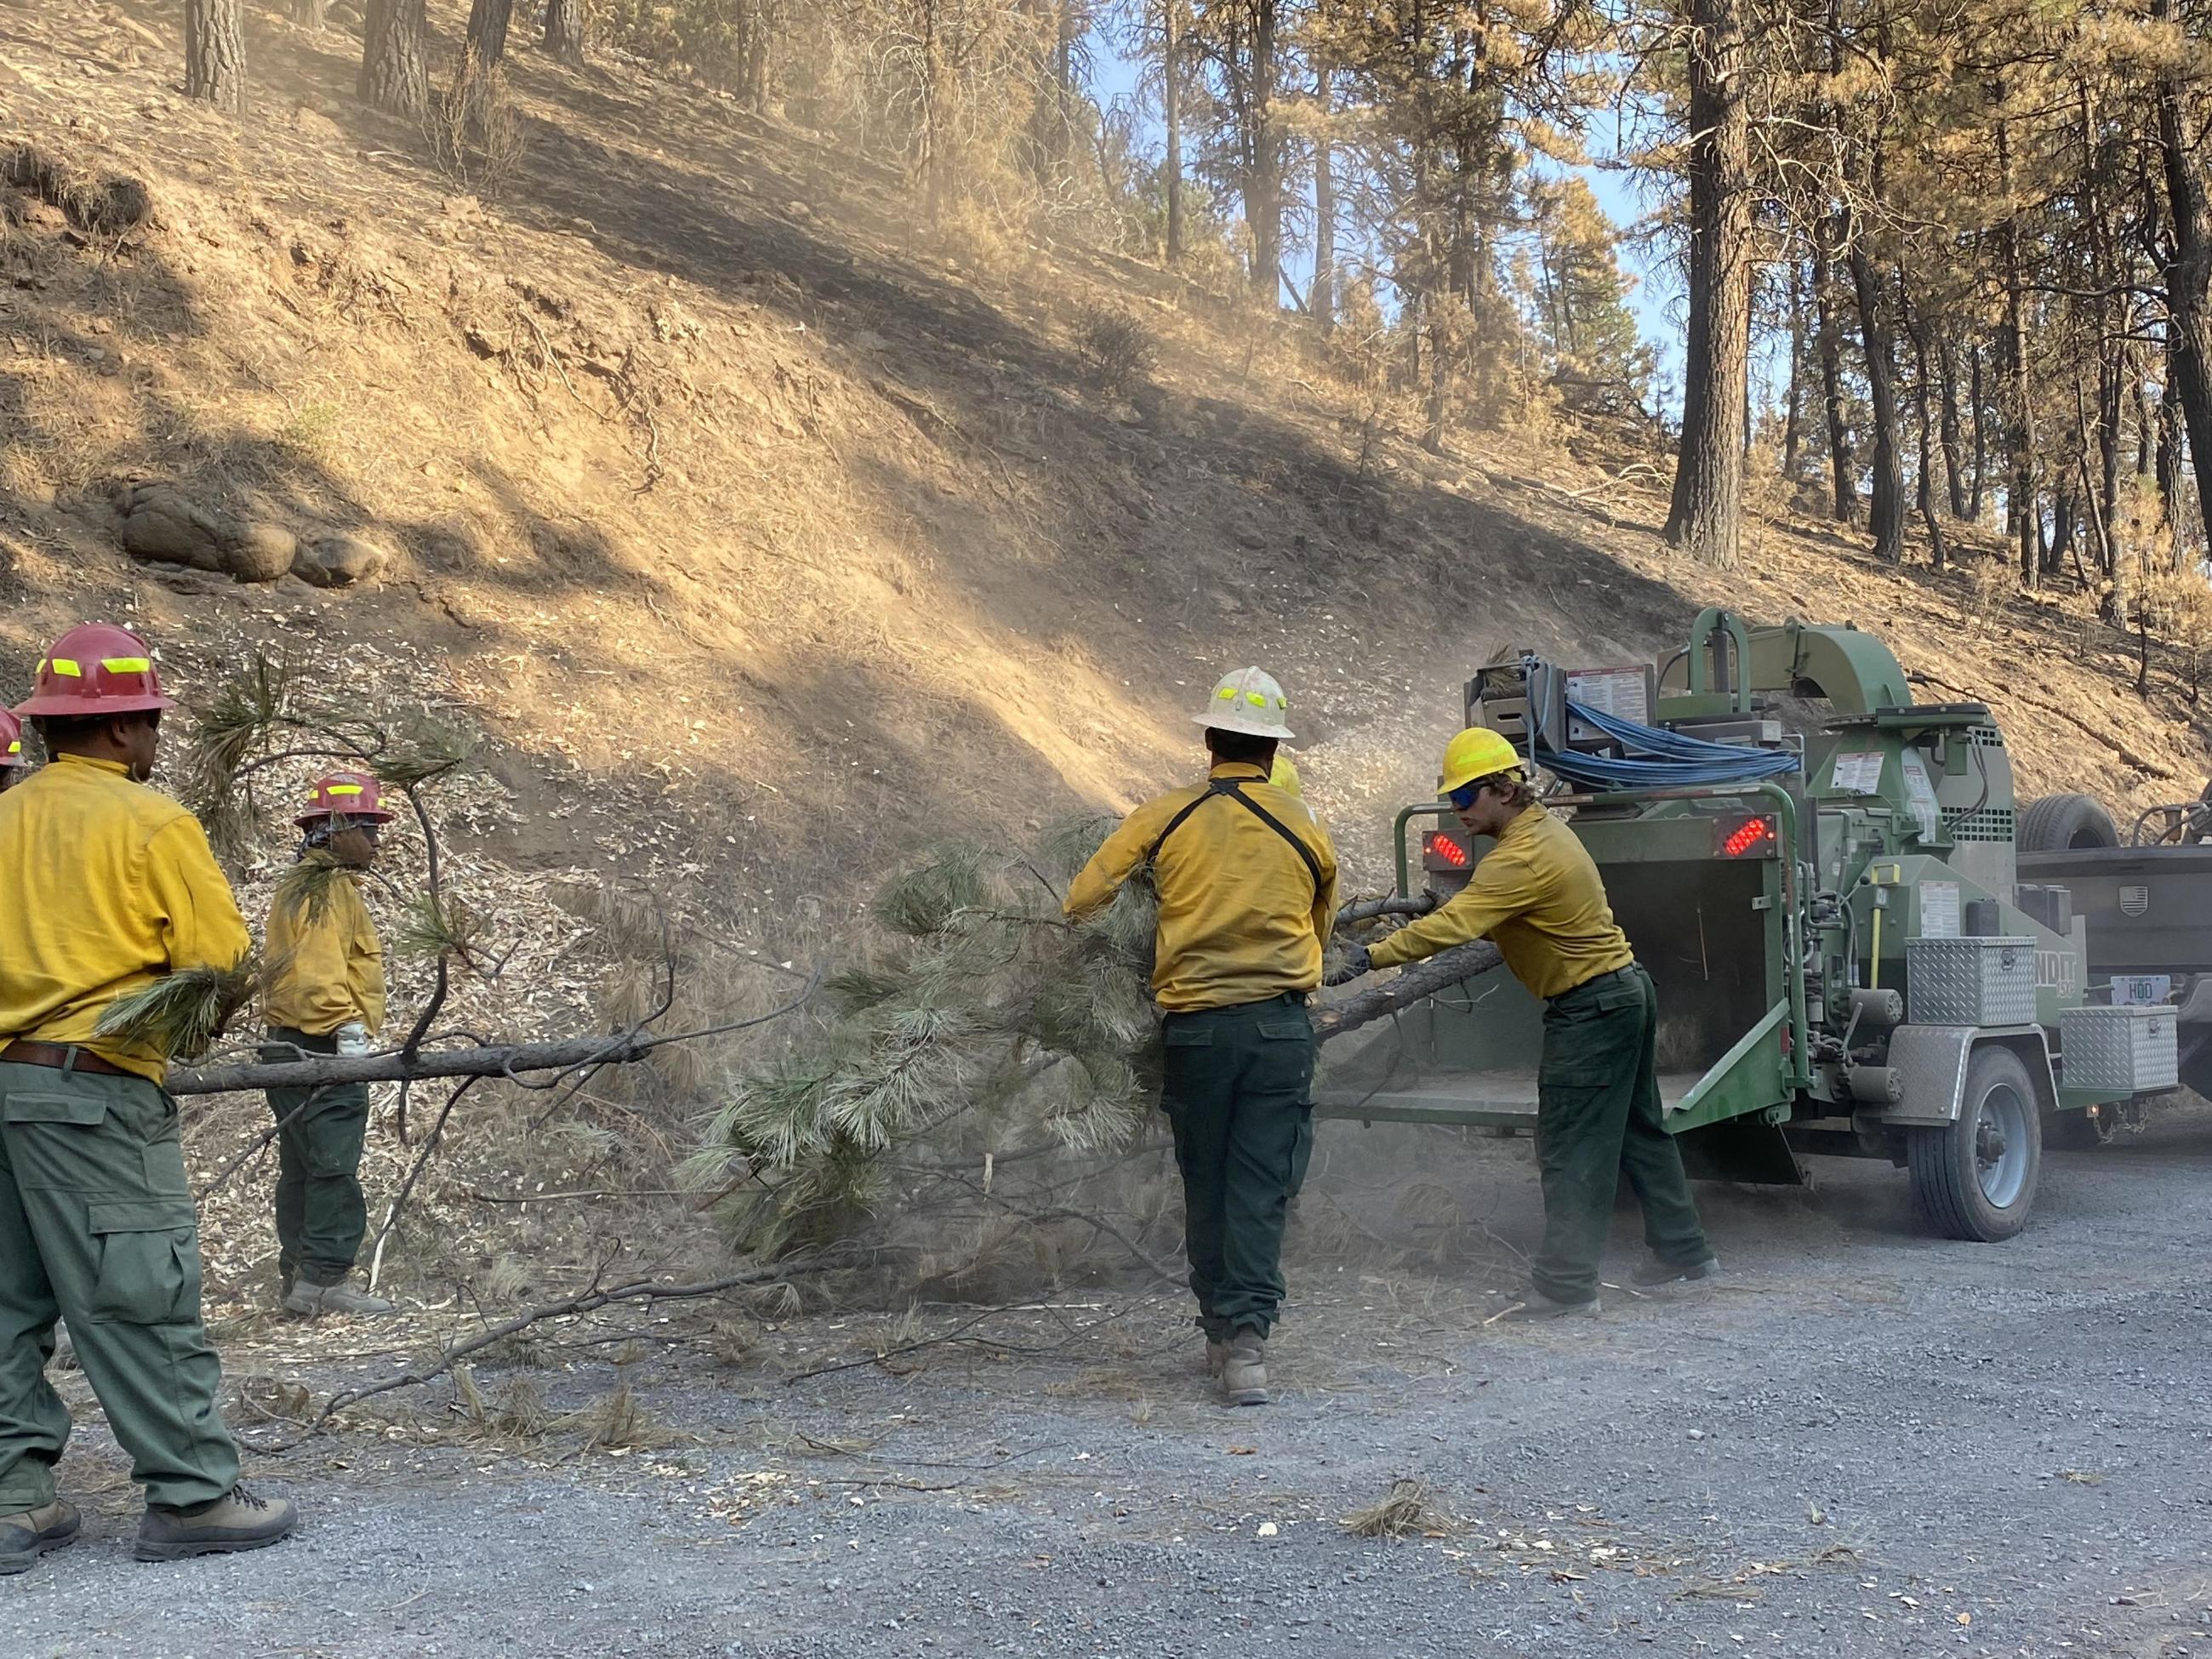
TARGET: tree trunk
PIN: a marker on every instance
(1171, 111)
(395, 64)
(309, 14)
(564, 30)
(1793, 419)
(755, 32)
(1843, 469)
(2019, 418)
(1439, 399)
(214, 54)
(1321, 302)
(1886, 516)
(2168, 458)
(2188, 271)
(1939, 552)
(1706, 514)
(1263, 183)
(1063, 76)
(1946, 363)
(1980, 396)
(487, 38)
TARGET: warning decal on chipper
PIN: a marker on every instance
(1939, 909)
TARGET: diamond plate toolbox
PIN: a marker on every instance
(1971, 982)
(2128, 1051)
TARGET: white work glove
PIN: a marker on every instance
(353, 1038)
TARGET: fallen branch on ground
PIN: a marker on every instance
(588, 1300)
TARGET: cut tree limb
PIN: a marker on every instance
(1423, 979)
(396, 1066)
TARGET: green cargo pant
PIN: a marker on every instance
(97, 1227)
(321, 1215)
(1598, 1117)
(1236, 1092)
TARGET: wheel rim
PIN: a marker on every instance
(2000, 1145)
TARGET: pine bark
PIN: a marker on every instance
(1939, 550)
(395, 63)
(2019, 418)
(1886, 517)
(214, 54)
(1946, 362)
(2188, 272)
(1706, 515)
(564, 30)
(488, 26)
(1843, 466)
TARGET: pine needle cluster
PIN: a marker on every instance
(971, 1013)
(180, 1014)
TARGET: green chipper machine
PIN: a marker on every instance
(1820, 874)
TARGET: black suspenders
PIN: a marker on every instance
(1228, 787)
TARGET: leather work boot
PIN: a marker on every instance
(1244, 1370)
(29, 1533)
(1535, 1305)
(236, 1520)
(309, 1300)
(1655, 1272)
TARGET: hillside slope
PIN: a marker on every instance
(763, 533)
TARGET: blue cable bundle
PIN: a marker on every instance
(1675, 762)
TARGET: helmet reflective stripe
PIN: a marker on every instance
(127, 665)
(63, 666)
(1249, 701)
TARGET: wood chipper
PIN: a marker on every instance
(1819, 873)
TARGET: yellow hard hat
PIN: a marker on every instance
(1477, 752)
(1286, 776)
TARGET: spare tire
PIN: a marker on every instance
(2060, 823)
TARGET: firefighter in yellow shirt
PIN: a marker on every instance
(13, 768)
(1537, 893)
(105, 886)
(325, 996)
(1247, 884)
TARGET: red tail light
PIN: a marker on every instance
(1756, 837)
(1440, 845)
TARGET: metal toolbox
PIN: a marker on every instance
(2128, 1051)
(1971, 982)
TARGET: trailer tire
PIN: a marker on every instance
(2059, 823)
(1975, 1177)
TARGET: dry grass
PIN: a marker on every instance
(1409, 1511)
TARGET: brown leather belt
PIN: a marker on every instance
(56, 1056)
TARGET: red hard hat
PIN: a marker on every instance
(11, 740)
(345, 794)
(95, 670)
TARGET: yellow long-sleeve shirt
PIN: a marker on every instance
(325, 969)
(1538, 894)
(105, 885)
(1241, 917)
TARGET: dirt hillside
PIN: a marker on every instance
(762, 532)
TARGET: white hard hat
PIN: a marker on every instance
(1249, 701)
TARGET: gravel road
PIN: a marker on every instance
(1867, 1441)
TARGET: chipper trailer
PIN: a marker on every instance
(1819, 873)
